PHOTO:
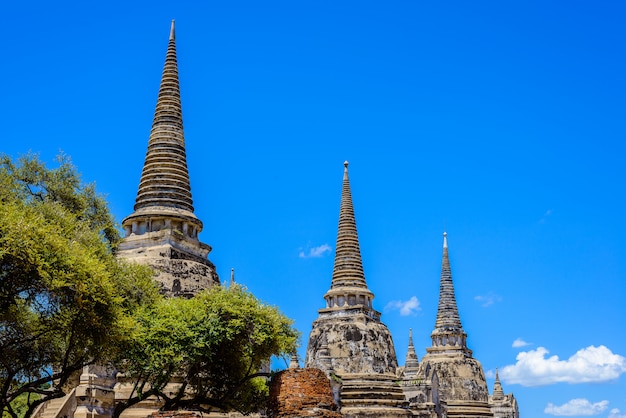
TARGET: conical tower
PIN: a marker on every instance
(349, 303)
(163, 229)
(448, 334)
(498, 393)
(411, 364)
(503, 405)
(348, 287)
(348, 338)
(456, 377)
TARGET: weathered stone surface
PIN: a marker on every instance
(95, 396)
(502, 405)
(459, 378)
(175, 414)
(301, 393)
(180, 272)
(162, 232)
(372, 395)
(348, 341)
(356, 344)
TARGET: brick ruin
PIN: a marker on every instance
(301, 393)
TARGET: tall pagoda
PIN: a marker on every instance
(348, 339)
(456, 378)
(162, 232)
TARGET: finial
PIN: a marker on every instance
(410, 333)
(345, 164)
(445, 240)
(232, 276)
(172, 34)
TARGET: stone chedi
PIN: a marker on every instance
(456, 378)
(502, 406)
(348, 339)
(162, 232)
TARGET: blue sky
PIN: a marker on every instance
(500, 122)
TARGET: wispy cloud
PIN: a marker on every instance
(615, 413)
(519, 343)
(406, 308)
(545, 216)
(315, 252)
(588, 365)
(488, 299)
(577, 407)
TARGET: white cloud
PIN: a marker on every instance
(315, 252)
(615, 413)
(406, 308)
(591, 364)
(488, 299)
(545, 216)
(519, 343)
(577, 407)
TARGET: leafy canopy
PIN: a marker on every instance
(65, 300)
(214, 346)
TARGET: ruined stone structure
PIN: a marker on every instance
(502, 406)
(351, 368)
(449, 381)
(296, 393)
(348, 340)
(163, 230)
(457, 380)
(350, 343)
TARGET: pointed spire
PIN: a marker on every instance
(447, 313)
(348, 268)
(448, 333)
(411, 363)
(172, 31)
(165, 178)
(498, 393)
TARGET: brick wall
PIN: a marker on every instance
(301, 393)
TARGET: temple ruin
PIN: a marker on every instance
(350, 370)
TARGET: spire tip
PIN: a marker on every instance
(445, 240)
(172, 32)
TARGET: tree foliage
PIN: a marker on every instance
(65, 300)
(206, 353)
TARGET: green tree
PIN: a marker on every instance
(65, 300)
(206, 353)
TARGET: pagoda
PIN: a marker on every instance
(456, 379)
(162, 232)
(348, 340)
